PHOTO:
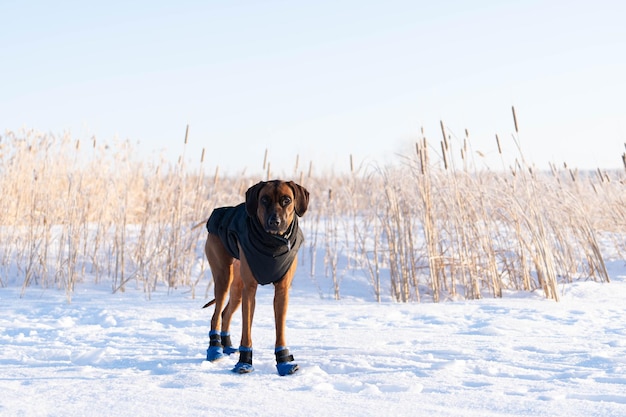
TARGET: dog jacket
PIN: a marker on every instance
(269, 256)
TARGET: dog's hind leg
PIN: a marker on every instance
(221, 264)
(234, 301)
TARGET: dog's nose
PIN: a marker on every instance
(273, 221)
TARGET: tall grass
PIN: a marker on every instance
(431, 227)
(68, 213)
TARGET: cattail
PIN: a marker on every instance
(481, 232)
(420, 155)
(186, 134)
(424, 156)
(515, 119)
(443, 132)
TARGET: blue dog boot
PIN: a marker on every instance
(227, 345)
(215, 351)
(284, 361)
(244, 366)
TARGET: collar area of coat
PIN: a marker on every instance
(269, 256)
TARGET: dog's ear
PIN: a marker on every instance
(302, 198)
(252, 198)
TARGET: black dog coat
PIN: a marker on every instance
(269, 256)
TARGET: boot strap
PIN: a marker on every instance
(283, 356)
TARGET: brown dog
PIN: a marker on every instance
(254, 243)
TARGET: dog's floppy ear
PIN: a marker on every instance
(252, 198)
(302, 198)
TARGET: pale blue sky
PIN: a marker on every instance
(320, 79)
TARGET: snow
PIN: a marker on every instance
(124, 355)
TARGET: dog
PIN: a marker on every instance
(255, 242)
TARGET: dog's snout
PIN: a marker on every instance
(273, 221)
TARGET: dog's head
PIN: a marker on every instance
(274, 203)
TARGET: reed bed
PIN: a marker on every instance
(432, 226)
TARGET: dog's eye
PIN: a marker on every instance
(285, 201)
(265, 200)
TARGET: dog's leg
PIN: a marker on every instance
(234, 301)
(281, 302)
(221, 264)
(248, 302)
(284, 360)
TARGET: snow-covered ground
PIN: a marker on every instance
(123, 355)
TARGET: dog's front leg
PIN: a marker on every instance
(248, 303)
(281, 302)
(284, 360)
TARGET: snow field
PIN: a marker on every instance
(120, 355)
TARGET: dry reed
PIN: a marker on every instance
(433, 226)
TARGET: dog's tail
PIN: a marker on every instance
(209, 304)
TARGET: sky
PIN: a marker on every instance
(316, 82)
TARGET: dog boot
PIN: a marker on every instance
(244, 366)
(284, 361)
(227, 345)
(215, 351)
